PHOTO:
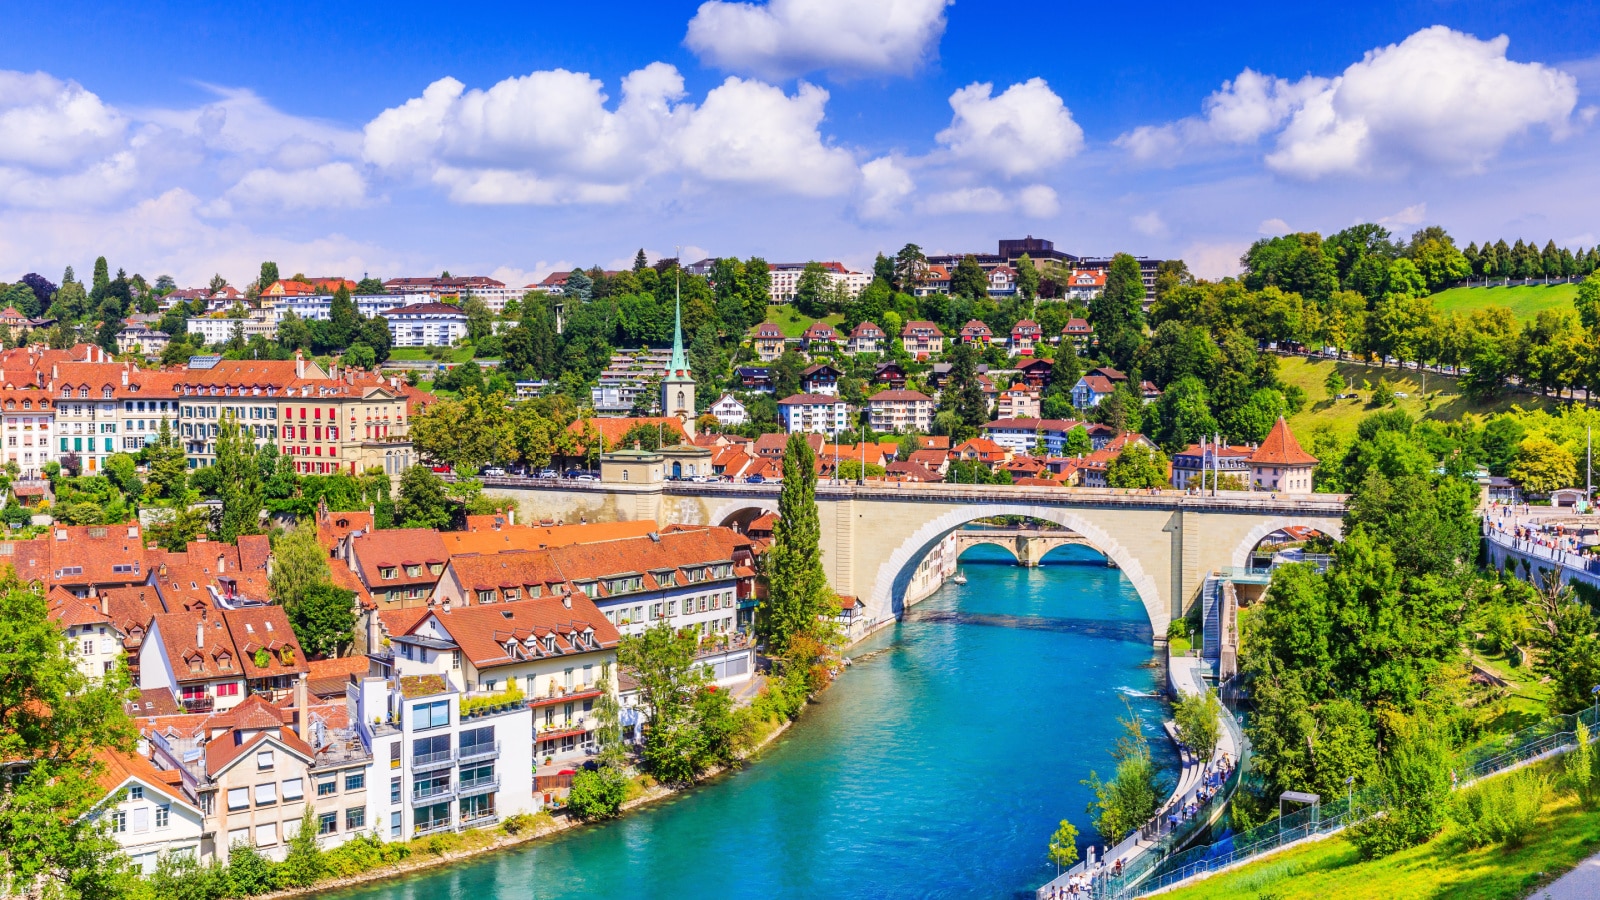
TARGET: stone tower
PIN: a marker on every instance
(677, 386)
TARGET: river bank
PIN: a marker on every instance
(943, 758)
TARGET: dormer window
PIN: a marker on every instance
(83, 392)
(436, 568)
(389, 572)
(486, 596)
(106, 392)
(413, 571)
(513, 594)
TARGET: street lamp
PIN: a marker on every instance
(1595, 693)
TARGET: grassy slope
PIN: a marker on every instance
(1525, 301)
(792, 322)
(420, 354)
(1444, 402)
(1443, 868)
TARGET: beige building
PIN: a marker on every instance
(1018, 402)
(900, 411)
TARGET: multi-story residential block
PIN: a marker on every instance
(1002, 281)
(729, 411)
(900, 411)
(975, 332)
(1025, 335)
(438, 765)
(933, 279)
(922, 339)
(426, 325)
(320, 306)
(867, 337)
(820, 337)
(215, 658)
(1018, 402)
(1024, 435)
(820, 379)
(1090, 390)
(148, 816)
(1195, 461)
(29, 429)
(785, 279)
(755, 379)
(1079, 332)
(220, 327)
(768, 340)
(1085, 284)
(815, 413)
(142, 339)
(553, 650)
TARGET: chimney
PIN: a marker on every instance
(124, 376)
(105, 605)
(302, 708)
(200, 635)
(299, 364)
(222, 563)
(566, 599)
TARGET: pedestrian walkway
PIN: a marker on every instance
(1582, 883)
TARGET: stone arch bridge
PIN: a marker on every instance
(874, 535)
(1028, 545)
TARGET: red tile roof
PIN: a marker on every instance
(500, 634)
(1281, 449)
(611, 429)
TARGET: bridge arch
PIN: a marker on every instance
(1257, 533)
(1008, 546)
(741, 512)
(894, 573)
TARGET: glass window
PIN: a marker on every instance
(327, 823)
(267, 793)
(394, 791)
(355, 781)
(238, 798)
(327, 785)
(163, 815)
(140, 820)
(355, 818)
(430, 715)
(264, 759)
(136, 792)
(267, 835)
(119, 821)
(394, 824)
(293, 789)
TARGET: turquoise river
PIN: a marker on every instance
(936, 766)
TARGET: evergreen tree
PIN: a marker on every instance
(909, 264)
(102, 280)
(968, 279)
(239, 482)
(1027, 278)
(269, 274)
(1117, 313)
(302, 866)
(883, 269)
(797, 588)
(344, 321)
(640, 262)
(963, 393)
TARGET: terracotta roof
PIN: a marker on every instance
(867, 329)
(538, 537)
(397, 548)
(1098, 384)
(400, 621)
(220, 754)
(1281, 449)
(341, 576)
(917, 325)
(612, 429)
(68, 611)
(930, 459)
(266, 628)
(483, 632)
(153, 702)
(191, 661)
(332, 527)
(121, 768)
(898, 395)
(810, 400)
(769, 331)
(763, 522)
(1077, 326)
(254, 551)
(913, 471)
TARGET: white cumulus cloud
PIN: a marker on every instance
(885, 183)
(334, 185)
(47, 123)
(785, 38)
(750, 132)
(1025, 130)
(1149, 224)
(1439, 99)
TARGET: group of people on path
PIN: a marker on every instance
(1082, 884)
(1556, 537)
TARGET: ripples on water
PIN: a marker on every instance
(937, 766)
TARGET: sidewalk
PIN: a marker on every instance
(1582, 883)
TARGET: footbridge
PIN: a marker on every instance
(874, 535)
(1028, 545)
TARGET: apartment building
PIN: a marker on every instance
(814, 413)
(212, 659)
(29, 429)
(975, 332)
(1018, 402)
(426, 325)
(95, 639)
(867, 337)
(438, 765)
(147, 817)
(399, 566)
(785, 279)
(1024, 434)
(922, 339)
(1025, 336)
(900, 411)
(768, 341)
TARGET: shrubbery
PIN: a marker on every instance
(1500, 810)
(598, 793)
(1415, 781)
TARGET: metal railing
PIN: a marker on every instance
(1488, 758)
(433, 827)
(474, 752)
(472, 786)
(439, 759)
(431, 791)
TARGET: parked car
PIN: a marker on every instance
(494, 470)
(585, 476)
(549, 473)
(572, 473)
(755, 479)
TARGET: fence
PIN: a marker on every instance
(1487, 758)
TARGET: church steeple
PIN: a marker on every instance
(679, 362)
(677, 387)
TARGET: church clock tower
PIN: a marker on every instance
(677, 387)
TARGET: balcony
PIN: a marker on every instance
(440, 759)
(434, 827)
(473, 752)
(576, 694)
(557, 732)
(434, 792)
(198, 704)
(479, 819)
(471, 787)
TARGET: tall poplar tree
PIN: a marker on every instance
(797, 588)
(240, 479)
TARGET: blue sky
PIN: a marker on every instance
(398, 139)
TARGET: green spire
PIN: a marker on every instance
(679, 362)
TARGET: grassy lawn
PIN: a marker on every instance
(1525, 301)
(420, 354)
(792, 322)
(1333, 870)
(1443, 401)
(1529, 699)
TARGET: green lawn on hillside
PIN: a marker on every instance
(1443, 401)
(1525, 301)
(792, 322)
(420, 354)
(1331, 869)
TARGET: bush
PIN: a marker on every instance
(302, 865)
(523, 823)
(440, 844)
(1581, 769)
(1415, 781)
(1500, 810)
(183, 878)
(598, 793)
(362, 853)
(249, 873)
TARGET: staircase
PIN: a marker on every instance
(1211, 628)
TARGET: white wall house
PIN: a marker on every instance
(729, 411)
(814, 413)
(426, 325)
(146, 816)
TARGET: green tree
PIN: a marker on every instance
(166, 465)
(1183, 416)
(1199, 721)
(1117, 313)
(662, 660)
(1415, 783)
(302, 865)
(324, 619)
(239, 482)
(1542, 465)
(598, 793)
(250, 872)
(1063, 849)
(1137, 466)
(101, 281)
(968, 280)
(1078, 442)
(423, 502)
(798, 595)
(57, 721)
(174, 528)
(1027, 278)
(963, 393)
(1333, 384)
(1131, 797)
(298, 563)
(909, 264)
(811, 291)
(269, 274)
